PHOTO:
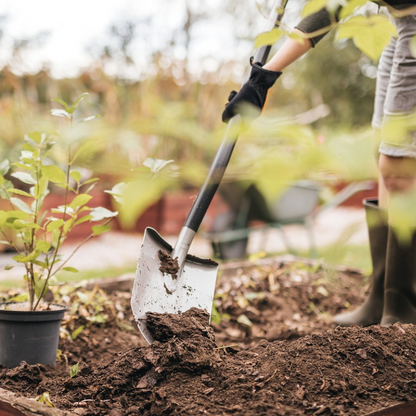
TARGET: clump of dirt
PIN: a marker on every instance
(168, 265)
(163, 327)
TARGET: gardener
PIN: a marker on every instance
(392, 295)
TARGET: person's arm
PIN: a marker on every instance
(262, 78)
(293, 49)
(290, 51)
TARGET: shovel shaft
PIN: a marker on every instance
(223, 155)
(215, 175)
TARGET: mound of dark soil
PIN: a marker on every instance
(283, 358)
(345, 371)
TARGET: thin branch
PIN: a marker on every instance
(78, 247)
(58, 244)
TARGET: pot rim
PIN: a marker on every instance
(61, 308)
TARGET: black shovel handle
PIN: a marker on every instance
(223, 155)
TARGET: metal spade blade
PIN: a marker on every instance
(154, 291)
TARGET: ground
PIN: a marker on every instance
(271, 349)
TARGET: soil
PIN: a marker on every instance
(271, 349)
(168, 265)
(25, 307)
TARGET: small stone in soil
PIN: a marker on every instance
(168, 265)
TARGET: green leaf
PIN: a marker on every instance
(40, 263)
(39, 288)
(85, 218)
(5, 188)
(83, 297)
(80, 200)
(75, 175)
(79, 151)
(18, 298)
(70, 269)
(100, 213)
(90, 118)
(60, 113)
(4, 167)
(100, 229)
(35, 136)
(90, 188)
(74, 369)
(155, 165)
(313, 6)
(98, 319)
(17, 215)
(19, 204)
(62, 209)
(351, 7)
(45, 398)
(25, 224)
(118, 191)
(19, 192)
(242, 319)
(3, 218)
(24, 166)
(55, 237)
(20, 258)
(54, 174)
(54, 225)
(58, 100)
(75, 333)
(269, 38)
(65, 186)
(370, 34)
(90, 181)
(41, 188)
(75, 105)
(24, 177)
(68, 225)
(140, 194)
(43, 246)
(29, 148)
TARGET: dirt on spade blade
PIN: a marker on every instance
(168, 265)
(188, 371)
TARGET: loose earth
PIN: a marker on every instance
(283, 357)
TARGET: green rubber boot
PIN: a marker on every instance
(400, 282)
(370, 312)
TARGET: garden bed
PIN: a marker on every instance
(271, 349)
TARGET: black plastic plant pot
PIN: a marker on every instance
(30, 336)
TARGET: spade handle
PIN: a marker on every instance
(223, 155)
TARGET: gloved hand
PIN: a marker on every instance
(253, 92)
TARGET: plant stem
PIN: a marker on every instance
(58, 244)
(14, 209)
(77, 248)
(31, 277)
(28, 270)
(10, 241)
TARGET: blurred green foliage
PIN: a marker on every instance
(316, 124)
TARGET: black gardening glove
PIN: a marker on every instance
(253, 92)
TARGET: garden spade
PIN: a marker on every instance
(168, 279)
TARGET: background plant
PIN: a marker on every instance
(41, 232)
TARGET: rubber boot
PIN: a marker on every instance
(370, 312)
(400, 282)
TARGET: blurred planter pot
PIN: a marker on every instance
(30, 336)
